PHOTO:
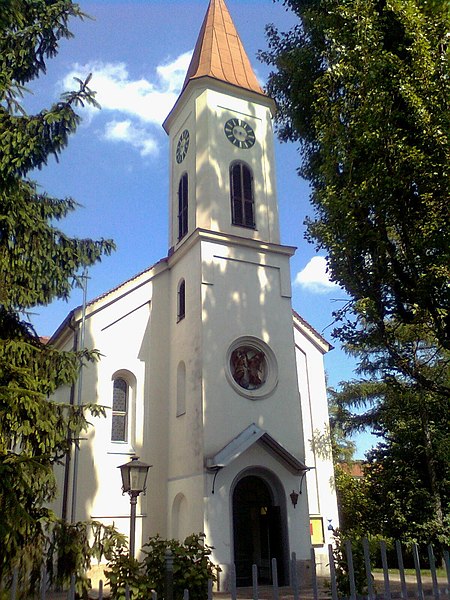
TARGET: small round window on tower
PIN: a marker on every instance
(251, 368)
(248, 367)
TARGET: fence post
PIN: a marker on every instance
(255, 581)
(218, 571)
(418, 574)
(366, 549)
(210, 589)
(351, 570)
(274, 579)
(15, 583)
(314, 575)
(154, 595)
(387, 586)
(185, 594)
(447, 565)
(433, 571)
(334, 594)
(233, 590)
(294, 576)
(401, 570)
(72, 588)
(43, 586)
(169, 574)
(100, 589)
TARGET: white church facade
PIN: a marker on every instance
(207, 373)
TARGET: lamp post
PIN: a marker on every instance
(134, 478)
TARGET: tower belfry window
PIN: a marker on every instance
(183, 206)
(242, 201)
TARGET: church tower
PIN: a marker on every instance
(236, 446)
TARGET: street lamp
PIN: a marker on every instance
(134, 478)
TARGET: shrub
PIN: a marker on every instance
(359, 568)
(122, 571)
(192, 568)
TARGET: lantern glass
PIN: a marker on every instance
(134, 476)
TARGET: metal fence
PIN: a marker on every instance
(379, 585)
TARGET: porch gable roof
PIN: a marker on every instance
(244, 441)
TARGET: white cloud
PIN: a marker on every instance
(174, 73)
(125, 131)
(138, 105)
(314, 277)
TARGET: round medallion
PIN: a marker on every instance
(248, 367)
(182, 146)
(239, 133)
(251, 368)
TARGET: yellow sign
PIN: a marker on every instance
(316, 530)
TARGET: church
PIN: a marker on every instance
(206, 371)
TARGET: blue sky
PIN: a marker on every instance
(116, 165)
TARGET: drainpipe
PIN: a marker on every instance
(65, 498)
(79, 397)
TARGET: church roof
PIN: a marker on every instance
(219, 52)
(301, 323)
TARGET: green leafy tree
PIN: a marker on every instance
(407, 475)
(364, 87)
(38, 263)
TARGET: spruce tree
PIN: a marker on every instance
(38, 263)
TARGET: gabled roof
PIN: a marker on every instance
(244, 441)
(301, 324)
(219, 52)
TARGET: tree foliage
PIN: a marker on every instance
(405, 491)
(364, 87)
(38, 263)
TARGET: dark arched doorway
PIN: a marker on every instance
(257, 531)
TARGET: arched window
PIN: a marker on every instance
(183, 206)
(120, 407)
(181, 308)
(242, 202)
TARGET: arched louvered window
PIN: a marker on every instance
(242, 201)
(119, 426)
(183, 206)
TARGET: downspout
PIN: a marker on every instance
(65, 497)
(79, 397)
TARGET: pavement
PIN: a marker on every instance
(306, 593)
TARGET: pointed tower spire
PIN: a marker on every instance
(219, 52)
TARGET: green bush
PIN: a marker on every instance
(122, 571)
(359, 568)
(192, 568)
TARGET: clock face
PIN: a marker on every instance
(239, 133)
(182, 146)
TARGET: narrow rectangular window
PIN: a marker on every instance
(181, 300)
(119, 424)
(183, 206)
